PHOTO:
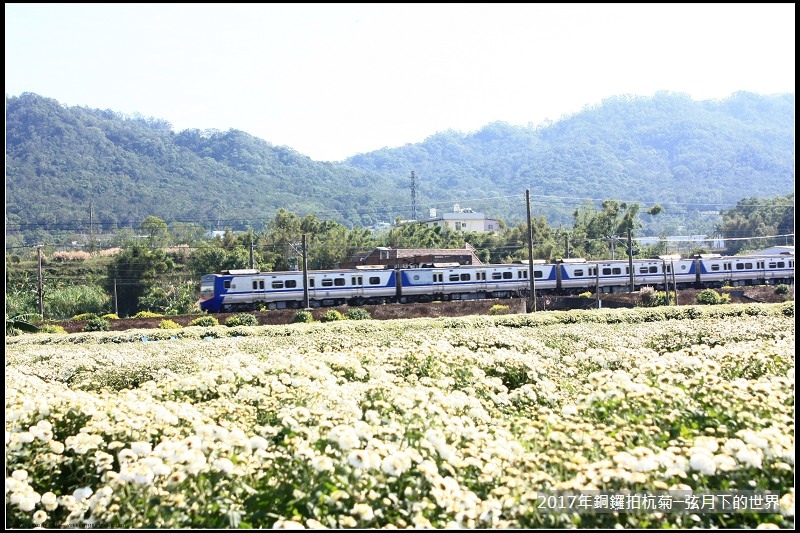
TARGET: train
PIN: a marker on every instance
(249, 289)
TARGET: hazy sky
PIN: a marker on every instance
(335, 80)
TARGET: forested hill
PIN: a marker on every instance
(685, 155)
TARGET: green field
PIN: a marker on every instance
(451, 422)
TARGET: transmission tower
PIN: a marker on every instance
(413, 196)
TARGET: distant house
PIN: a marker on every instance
(461, 220)
(782, 250)
(414, 257)
(215, 233)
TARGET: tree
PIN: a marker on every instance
(156, 230)
(132, 272)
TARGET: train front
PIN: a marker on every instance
(209, 301)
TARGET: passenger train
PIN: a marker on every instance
(247, 290)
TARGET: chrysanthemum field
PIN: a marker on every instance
(432, 423)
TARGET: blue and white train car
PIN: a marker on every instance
(578, 275)
(473, 282)
(739, 270)
(240, 290)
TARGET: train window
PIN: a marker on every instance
(653, 270)
(773, 265)
(227, 284)
(339, 282)
(497, 275)
(606, 271)
(327, 282)
(438, 277)
(748, 266)
(465, 277)
(291, 284)
(538, 274)
(521, 274)
(276, 284)
(739, 266)
(617, 270)
(727, 266)
(760, 265)
(374, 280)
(481, 276)
(714, 268)
(453, 277)
(577, 273)
(311, 282)
(643, 270)
(593, 271)
(781, 265)
(507, 275)
(255, 284)
(258, 284)
(357, 280)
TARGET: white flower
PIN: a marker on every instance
(703, 463)
(39, 517)
(49, 501)
(258, 443)
(141, 448)
(224, 465)
(749, 457)
(363, 511)
(345, 437)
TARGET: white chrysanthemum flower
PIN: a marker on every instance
(26, 503)
(258, 442)
(787, 504)
(20, 475)
(709, 443)
(223, 465)
(363, 511)
(749, 457)
(39, 517)
(703, 463)
(345, 437)
(50, 501)
(287, 524)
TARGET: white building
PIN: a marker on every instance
(462, 220)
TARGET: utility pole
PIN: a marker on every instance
(413, 196)
(252, 257)
(630, 260)
(41, 282)
(532, 301)
(305, 274)
(91, 228)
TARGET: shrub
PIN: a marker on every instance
(204, 321)
(242, 319)
(147, 314)
(85, 316)
(96, 324)
(587, 294)
(110, 316)
(499, 309)
(358, 314)
(303, 316)
(712, 297)
(332, 316)
(653, 298)
(782, 289)
(51, 328)
(169, 324)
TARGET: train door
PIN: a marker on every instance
(357, 286)
(480, 283)
(259, 289)
(437, 283)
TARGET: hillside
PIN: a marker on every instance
(73, 170)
